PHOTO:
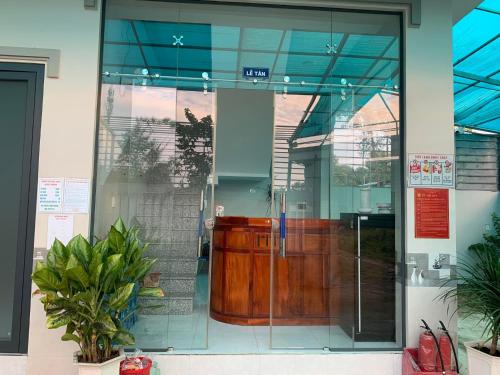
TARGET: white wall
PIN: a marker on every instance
(67, 136)
(474, 209)
(244, 133)
(289, 364)
(429, 129)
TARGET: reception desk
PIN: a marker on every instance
(304, 281)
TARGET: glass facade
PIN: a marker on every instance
(258, 150)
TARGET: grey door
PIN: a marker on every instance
(21, 88)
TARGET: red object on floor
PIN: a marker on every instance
(427, 352)
(145, 371)
(410, 365)
(445, 346)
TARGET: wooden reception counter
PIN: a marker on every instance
(302, 282)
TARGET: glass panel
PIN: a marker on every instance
(341, 202)
(136, 181)
(330, 141)
(193, 185)
(195, 132)
(376, 136)
(313, 279)
(154, 162)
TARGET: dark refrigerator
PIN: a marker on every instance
(368, 240)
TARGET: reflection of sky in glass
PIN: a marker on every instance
(156, 102)
(290, 110)
(139, 101)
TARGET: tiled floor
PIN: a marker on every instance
(193, 334)
(188, 334)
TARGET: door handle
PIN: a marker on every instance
(200, 223)
(283, 224)
(359, 274)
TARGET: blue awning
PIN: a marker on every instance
(476, 62)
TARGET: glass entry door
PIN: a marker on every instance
(312, 262)
(280, 124)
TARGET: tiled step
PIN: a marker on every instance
(173, 304)
(178, 284)
(175, 266)
(166, 235)
(186, 199)
(173, 250)
(186, 221)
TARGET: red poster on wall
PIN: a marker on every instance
(432, 213)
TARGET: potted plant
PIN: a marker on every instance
(87, 288)
(478, 294)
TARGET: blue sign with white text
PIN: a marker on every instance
(259, 73)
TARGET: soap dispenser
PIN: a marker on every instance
(421, 277)
(414, 276)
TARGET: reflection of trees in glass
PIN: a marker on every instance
(194, 141)
(376, 170)
(141, 154)
(110, 99)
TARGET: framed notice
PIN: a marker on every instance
(432, 218)
(431, 170)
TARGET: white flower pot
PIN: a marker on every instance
(111, 367)
(480, 363)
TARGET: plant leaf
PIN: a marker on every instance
(119, 225)
(112, 269)
(59, 320)
(120, 298)
(95, 267)
(70, 337)
(45, 279)
(124, 338)
(70, 328)
(95, 274)
(76, 272)
(80, 248)
(151, 292)
(108, 327)
(116, 240)
(140, 268)
(101, 247)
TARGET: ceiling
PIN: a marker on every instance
(476, 66)
(223, 51)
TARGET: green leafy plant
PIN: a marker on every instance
(86, 288)
(478, 284)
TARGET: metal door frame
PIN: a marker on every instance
(33, 74)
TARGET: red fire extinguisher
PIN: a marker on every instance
(446, 346)
(427, 352)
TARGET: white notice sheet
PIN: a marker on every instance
(60, 227)
(76, 196)
(50, 194)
